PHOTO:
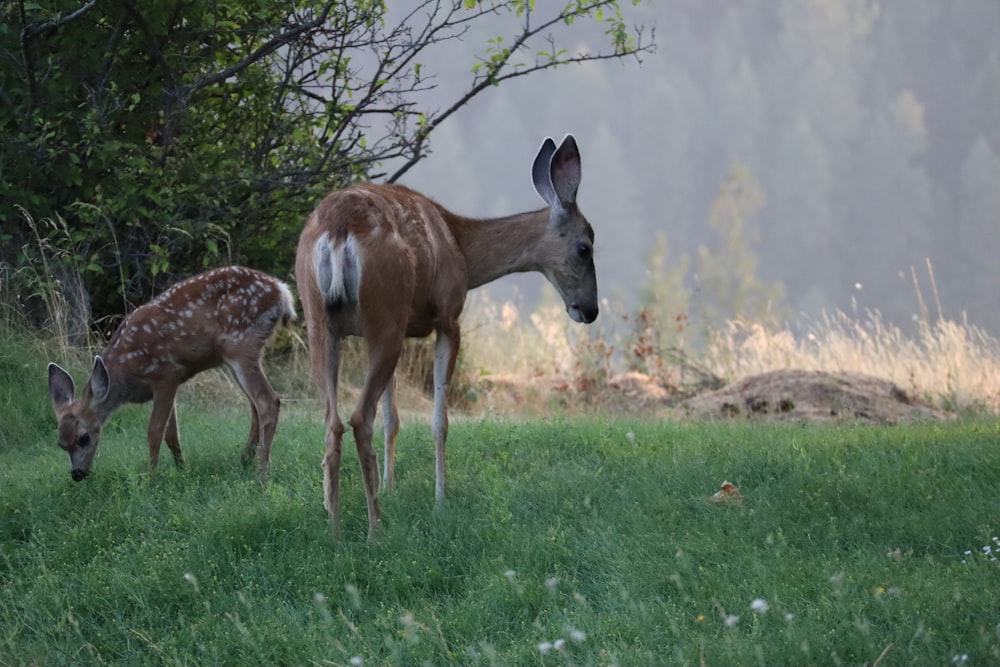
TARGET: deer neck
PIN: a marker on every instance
(123, 388)
(500, 246)
(104, 409)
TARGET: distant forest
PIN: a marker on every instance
(859, 140)
(871, 128)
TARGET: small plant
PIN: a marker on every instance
(989, 552)
(593, 362)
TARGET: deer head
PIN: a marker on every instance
(79, 420)
(569, 265)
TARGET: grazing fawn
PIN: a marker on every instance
(384, 262)
(222, 316)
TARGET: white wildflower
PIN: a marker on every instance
(760, 606)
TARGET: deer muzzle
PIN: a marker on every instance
(582, 314)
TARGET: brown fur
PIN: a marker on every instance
(384, 262)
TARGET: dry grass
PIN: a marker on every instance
(950, 364)
(530, 363)
(954, 365)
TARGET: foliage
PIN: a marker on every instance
(682, 306)
(561, 542)
(727, 273)
(665, 297)
(177, 135)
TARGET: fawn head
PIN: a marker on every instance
(79, 421)
(569, 264)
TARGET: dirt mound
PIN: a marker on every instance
(783, 395)
(811, 396)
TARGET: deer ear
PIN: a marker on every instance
(565, 170)
(99, 381)
(540, 175)
(61, 387)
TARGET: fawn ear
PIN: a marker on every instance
(61, 387)
(99, 381)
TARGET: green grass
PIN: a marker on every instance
(592, 536)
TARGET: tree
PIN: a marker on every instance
(663, 298)
(727, 272)
(976, 228)
(885, 222)
(800, 230)
(168, 136)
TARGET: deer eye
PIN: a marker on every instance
(583, 250)
(84, 440)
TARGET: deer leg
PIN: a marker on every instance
(390, 429)
(383, 354)
(250, 451)
(159, 420)
(173, 437)
(334, 436)
(445, 352)
(264, 404)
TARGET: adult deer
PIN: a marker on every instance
(384, 262)
(222, 316)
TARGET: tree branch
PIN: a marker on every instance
(30, 32)
(263, 51)
(493, 77)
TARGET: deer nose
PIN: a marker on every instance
(583, 314)
(79, 474)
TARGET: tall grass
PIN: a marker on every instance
(45, 291)
(953, 365)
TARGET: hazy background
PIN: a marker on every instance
(872, 129)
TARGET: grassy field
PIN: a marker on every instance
(583, 541)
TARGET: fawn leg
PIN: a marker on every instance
(264, 405)
(163, 423)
